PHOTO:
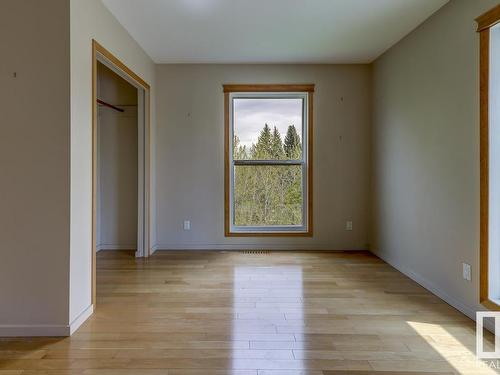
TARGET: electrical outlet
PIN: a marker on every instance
(466, 272)
(348, 225)
(187, 225)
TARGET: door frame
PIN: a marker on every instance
(102, 55)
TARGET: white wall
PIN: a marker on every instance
(117, 163)
(34, 163)
(190, 153)
(426, 153)
(91, 20)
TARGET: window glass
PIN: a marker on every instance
(267, 128)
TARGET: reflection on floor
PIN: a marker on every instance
(278, 313)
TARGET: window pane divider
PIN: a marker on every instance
(268, 162)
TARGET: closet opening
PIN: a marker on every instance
(117, 162)
(120, 160)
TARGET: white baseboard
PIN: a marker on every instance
(115, 247)
(253, 246)
(464, 308)
(80, 319)
(48, 330)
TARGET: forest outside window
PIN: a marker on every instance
(268, 160)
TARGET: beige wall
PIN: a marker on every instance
(45, 153)
(34, 162)
(190, 153)
(117, 163)
(426, 153)
(90, 19)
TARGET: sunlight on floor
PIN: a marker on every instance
(272, 289)
(461, 355)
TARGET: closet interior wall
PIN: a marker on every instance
(117, 162)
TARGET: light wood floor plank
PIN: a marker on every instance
(277, 313)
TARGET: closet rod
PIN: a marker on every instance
(110, 105)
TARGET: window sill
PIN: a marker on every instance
(491, 304)
(269, 234)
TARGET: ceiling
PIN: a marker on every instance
(269, 31)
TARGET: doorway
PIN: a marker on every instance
(117, 162)
(120, 158)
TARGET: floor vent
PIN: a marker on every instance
(256, 252)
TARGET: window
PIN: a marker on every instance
(489, 36)
(268, 166)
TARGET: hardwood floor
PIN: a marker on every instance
(278, 313)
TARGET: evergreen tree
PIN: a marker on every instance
(277, 152)
(263, 148)
(292, 146)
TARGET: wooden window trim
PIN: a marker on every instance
(268, 88)
(485, 22)
(488, 19)
(230, 88)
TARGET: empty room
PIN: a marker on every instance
(236, 187)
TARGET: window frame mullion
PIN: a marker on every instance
(268, 162)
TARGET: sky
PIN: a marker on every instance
(250, 115)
